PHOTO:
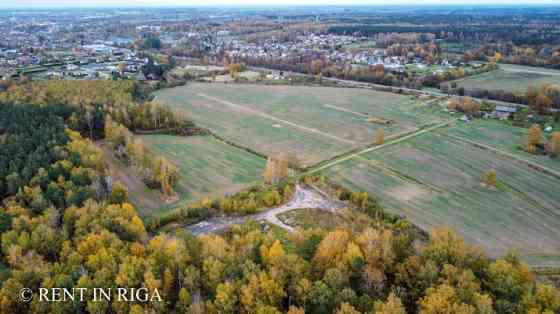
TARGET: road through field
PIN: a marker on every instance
(370, 149)
(273, 118)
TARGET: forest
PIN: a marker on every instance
(65, 225)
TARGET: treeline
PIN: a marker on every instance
(324, 68)
(156, 171)
(543, 54)
(515, 32)
(371, 30)
(92, 100)
(377, 74)
(540, 98)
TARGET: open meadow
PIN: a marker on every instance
(512, 78)
(208, 167)
(312, 123)
(435, 180)
(503, 137)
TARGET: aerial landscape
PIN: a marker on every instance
(288, 157)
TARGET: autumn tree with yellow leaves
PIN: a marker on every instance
(380, 136)
(554, 144)
(489, 178)
(277, 169)
(534, 138)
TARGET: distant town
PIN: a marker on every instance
(118, 44)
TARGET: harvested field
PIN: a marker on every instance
(436, 181)
(513, 78)
(208, 166)
(503, 136)
(313, 123)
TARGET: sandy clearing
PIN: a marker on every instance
(302, 198)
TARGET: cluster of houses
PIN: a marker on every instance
(46, 45)
(97, 61)
(310, 46)
(325, 45)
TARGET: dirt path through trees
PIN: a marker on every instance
(304, 197)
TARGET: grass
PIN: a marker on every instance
(313, 123)
(435, 181)
(503, 136)
(144, 199)
(208, 167)
(513, 78)
(309, 218)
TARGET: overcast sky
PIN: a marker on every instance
(48, 3)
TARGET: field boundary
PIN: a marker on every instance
(467, 77)
(527, 162)
(231, 143)
(377, 147)
(357, 149)
(399, 175)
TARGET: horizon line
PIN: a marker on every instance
(256, 5)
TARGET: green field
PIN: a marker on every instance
(433, 178)
(313, 123)
(504, 137)
(513, 78)
(436, 181)
(209, 167)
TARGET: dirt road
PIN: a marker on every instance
(303, 198)
(373, 148)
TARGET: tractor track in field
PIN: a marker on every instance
(273, 118)
(360, 114)
(520, 160)
(505, 154)
(374, 148)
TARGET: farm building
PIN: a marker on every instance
(504, 112)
